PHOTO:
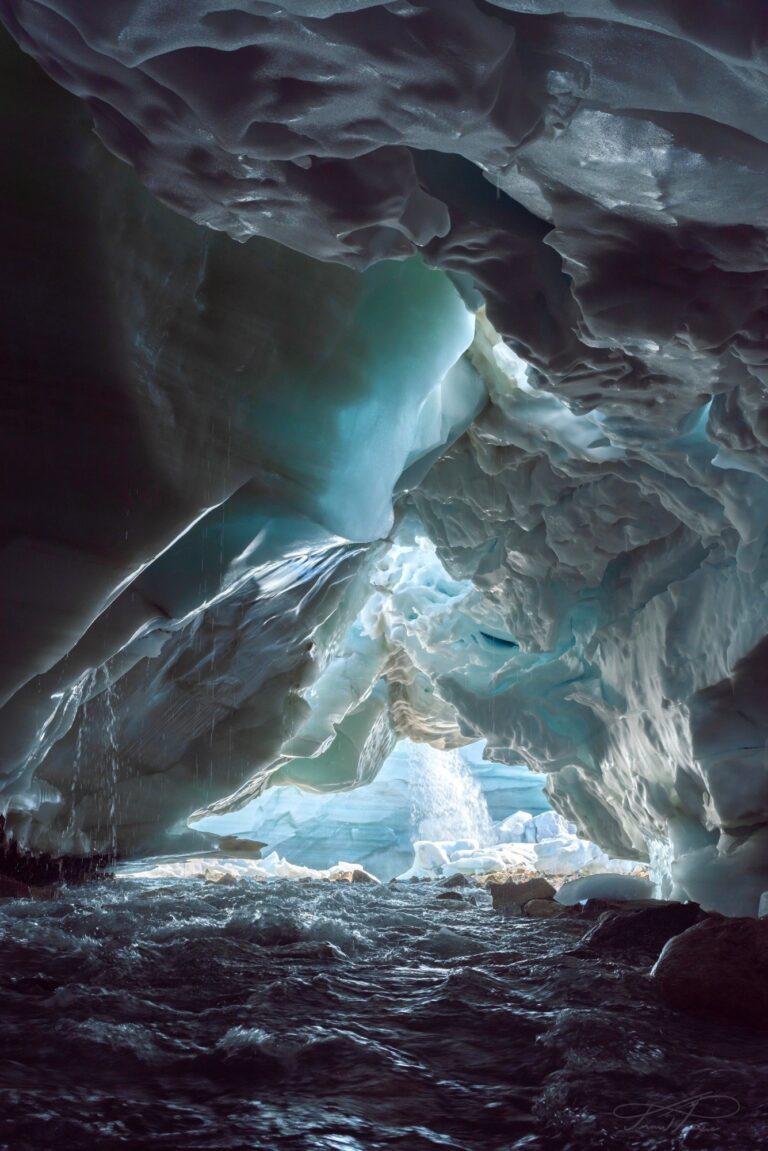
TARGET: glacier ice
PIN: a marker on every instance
(466, 442)
(427, 813)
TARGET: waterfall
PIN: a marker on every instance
(446, 800)
(661, 857)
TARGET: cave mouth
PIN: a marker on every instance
(428, 814)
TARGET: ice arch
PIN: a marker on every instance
(574, 570)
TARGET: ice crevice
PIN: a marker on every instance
(414, 387)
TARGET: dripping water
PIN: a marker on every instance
(84, 689)
(110, 760)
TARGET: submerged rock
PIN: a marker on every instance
(718, 967)
(452, 896)
(543, 909)
(15, 889)
(512, 895)
(644, 928)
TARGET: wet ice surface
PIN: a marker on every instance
(291, 1015)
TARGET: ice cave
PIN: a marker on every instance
(384, 569)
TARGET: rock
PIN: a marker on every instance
(360, 875)
(457, 880)
(543, 909)
(604, 885)
(508, 875)
(592, 909)
(511, 895)
(354, 875)
(234, 845)
(718, 967)
(220, 878)
(15, 889)
(452, 896)
(645, 928)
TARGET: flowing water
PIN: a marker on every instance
(293, 1016)
(447, 801)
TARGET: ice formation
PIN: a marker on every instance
(419, 793)
(467, 441)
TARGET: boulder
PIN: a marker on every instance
(15, 889)
(719, 967)
(512, 894)
(592, 909)
(543, 909)
(457, 880)
(644, 928)
(220, 878)
(452, 896)
(353, 875)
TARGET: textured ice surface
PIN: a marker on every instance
(427, 813)
(418, 793)
(598, 167)
(226, 559)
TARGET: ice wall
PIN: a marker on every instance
(202, 447)
(631, 573)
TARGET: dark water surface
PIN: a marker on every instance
(289, 1015)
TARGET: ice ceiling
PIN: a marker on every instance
(466, 439)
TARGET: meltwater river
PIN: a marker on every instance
(280, 1015)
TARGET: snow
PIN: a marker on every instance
(222, 869)
(562, 856)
